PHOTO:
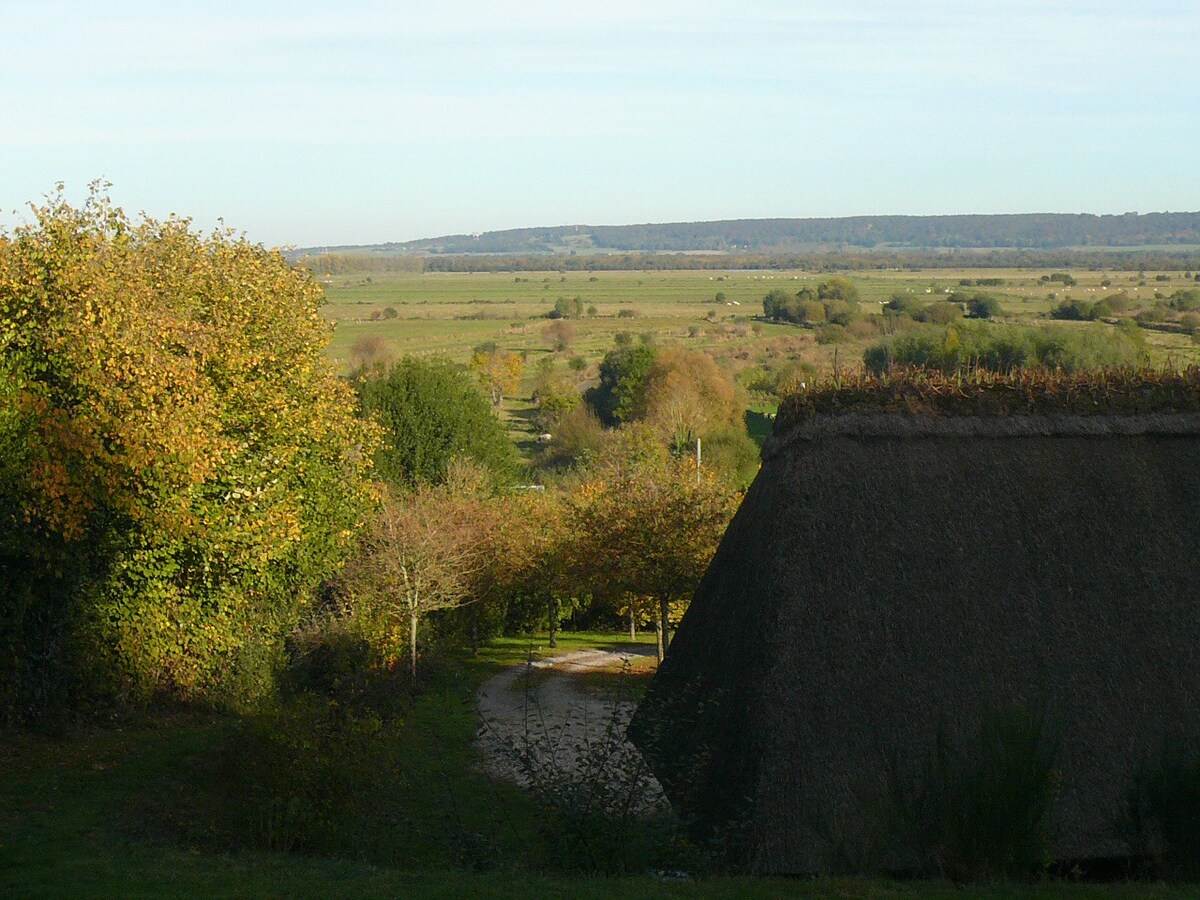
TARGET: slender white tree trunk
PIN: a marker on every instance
(412, 644)
(664, 610)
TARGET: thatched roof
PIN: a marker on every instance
(887, 573)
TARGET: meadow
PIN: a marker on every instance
(450, 313)
(137, 807)
(718, 312)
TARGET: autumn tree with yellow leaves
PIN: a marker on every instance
(646, 529)
(499, 371)
(179, 466)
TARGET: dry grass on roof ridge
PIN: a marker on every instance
(1023, 392)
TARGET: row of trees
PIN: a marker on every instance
(185, 482)
(1005, 348)
(626, 542)
(625, 535)
(834, 301)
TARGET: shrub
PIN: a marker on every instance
(832, 334)
(861, 329)
(732, 454)
(1000, 348)
(984, 306)
(903, 305)
(841, 312)
(940, 313)
(1072, 309)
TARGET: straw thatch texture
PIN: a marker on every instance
(888, 573)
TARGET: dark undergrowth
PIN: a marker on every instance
(362, 788)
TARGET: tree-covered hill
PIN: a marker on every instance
(1034, 230)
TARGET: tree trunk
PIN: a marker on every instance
(412, 645)
(632, 624)
(553, 622)
(658, 637)
(664, 610)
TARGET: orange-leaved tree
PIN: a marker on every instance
(181, 466)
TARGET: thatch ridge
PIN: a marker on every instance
(983, 393)
(900, 425)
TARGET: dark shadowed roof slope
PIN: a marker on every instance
(893, 573)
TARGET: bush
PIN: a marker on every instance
(1072, 309)
(1000, 348)
(732, 454)
(984, 306)
(841, 312)
(940, 313)
(832, 334)
(903, 305)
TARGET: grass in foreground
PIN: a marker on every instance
(87, 814)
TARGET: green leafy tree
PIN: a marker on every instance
(838, 288)
(432, 412)
(620, 396)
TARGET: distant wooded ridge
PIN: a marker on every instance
(1022, 231)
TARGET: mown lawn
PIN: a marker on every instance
(107, 810)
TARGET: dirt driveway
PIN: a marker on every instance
(541, 720)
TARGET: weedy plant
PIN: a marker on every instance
(981, 811)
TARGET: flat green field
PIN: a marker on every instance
(449, 313)
(719, 312)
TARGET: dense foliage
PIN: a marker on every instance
(834, 301)
(432, 412)
(180, 467)
(1005, 348)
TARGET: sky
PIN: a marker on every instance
(305, 124)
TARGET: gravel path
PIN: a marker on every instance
(538, 723)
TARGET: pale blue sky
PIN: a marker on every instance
(359, 122)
